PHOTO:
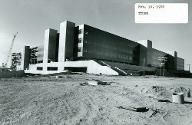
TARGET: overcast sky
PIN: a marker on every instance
(31, 17)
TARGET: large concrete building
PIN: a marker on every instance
(88, 49)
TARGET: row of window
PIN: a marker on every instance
(80, 40)
(80, 49)
(81, 32)
(48, 68)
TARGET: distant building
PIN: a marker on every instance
(15, 61)
(88, 49)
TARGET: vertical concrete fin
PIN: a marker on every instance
(66, 40)
(25, 58)
(46, 46)
(50, 46)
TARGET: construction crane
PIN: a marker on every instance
(10, 50)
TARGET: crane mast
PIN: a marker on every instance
(10, 50)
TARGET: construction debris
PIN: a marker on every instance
(103, 83)
(181, 90)
(139, 109)
(188, 92)
(95, 83)
(164, 100)
(58, 77)
(178, 98)
(155, 111)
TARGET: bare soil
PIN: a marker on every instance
(66, 100)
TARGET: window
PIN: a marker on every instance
(85, 50)
(130, 58)
(76, 69)
(40, 61)
(52, 68)
(39, 68)
(79, 54)
(80, 31)
(79, 49)
(79, 40)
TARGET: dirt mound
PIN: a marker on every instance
(159, 91)
(181, 90)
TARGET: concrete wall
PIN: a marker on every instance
(66, 41)
(148, 45)
(92, 67)
(50, 46)
(142, 56)
(180, 63)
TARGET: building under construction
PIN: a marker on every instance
(87, 49)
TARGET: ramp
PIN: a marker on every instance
(126, 69)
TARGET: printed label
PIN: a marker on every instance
(161, 13)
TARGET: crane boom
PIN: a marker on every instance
(10, 49)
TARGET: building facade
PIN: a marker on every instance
(83, 43)
(93, 43)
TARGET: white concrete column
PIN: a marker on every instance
(46, 46)
(62, 41)
(66, 40)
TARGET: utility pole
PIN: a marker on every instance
(162, 64)
(189, 66)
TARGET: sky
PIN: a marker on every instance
(30, 18)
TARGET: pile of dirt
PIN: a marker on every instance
(159, 91)
(181, 90)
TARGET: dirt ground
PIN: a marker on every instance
(65, 100)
